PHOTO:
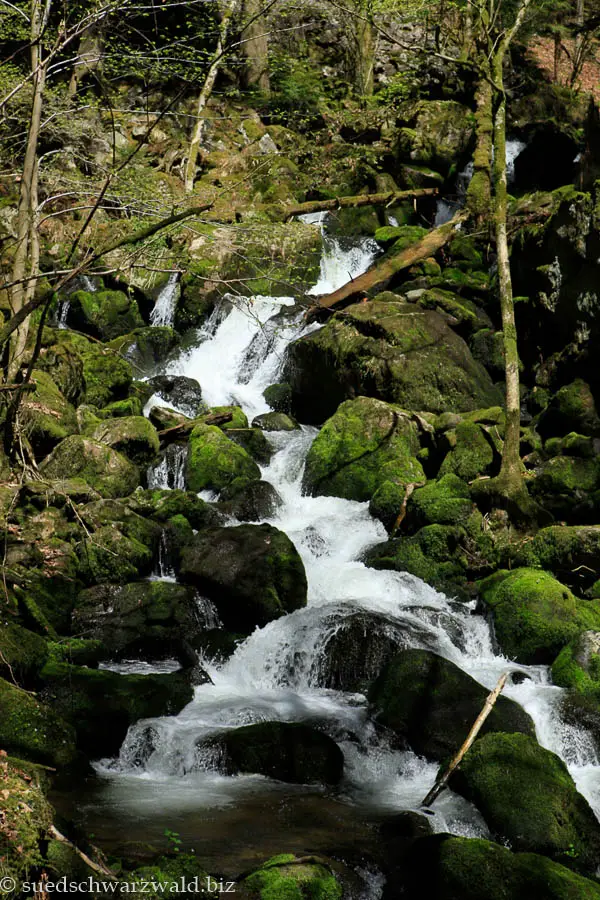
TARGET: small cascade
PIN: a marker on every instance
(166, 302)
(163, 568)
(63, 313)
(169, 473)
(514, 147)
(342, 258)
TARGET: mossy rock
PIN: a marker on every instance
(571, 444)
(275, 421)
(445, 501)
(282, 878)
(130, 406)
(567, 486)
(46, 415)
(365, 444)
(106, 470)
(251, 501)
(151, 619)
(571, 409)
(91, 699)
(487, 347)
(238, 416)
(472, 455)
(287, 751)
(394, 352)
(107, 375)
(22, 653)
(279, 397)
(571, 553)
(104, 314)
(162, 505)
(435, 554)
(26, 818)
(32, 729)
(144, 348)
(77, 651)
(535, 615)
(577, 666)
(253, 441)
(432, 704)
(528, 798)
(64, 364)
(253, 574)
(133, 436)
(468, 318)
(459, 868)
(439, 132)
(214, 461)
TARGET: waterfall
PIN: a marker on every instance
(342, 259)
(166, 302)
(276, 673)
(169, 472)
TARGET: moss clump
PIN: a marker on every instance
(571, 409)
(468, 317)
(535, 615)
(31, 729)
(131, 406)
(527, 797)
(571, 553)
(472, 454)
(104, 314)
(238, 416)
(567, 486)
(25, 817)
(431, 703)
(487, 347)
(214, 461)
(162, 505)
(22, 652)
(134, 436)
(571, 444)
(47, 416)
(281, 879)
(446, 501)
(146, 347)
(107, 471)
(363, 446)
(107, 375)
(253, 441)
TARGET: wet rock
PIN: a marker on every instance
(279, 397)
(397, 835)
(527, 797)
(134, 436)
(104, 469)
(253, 574)
(535, 615)
(458, 868)
(392, 351)
(253, 502)
(253, 441)
(214, 461)
(275, 421)
(183, 393)
(286, 751)
(32, 730)
(104, 314)
(432, 704)
(146, 347)
(162, 417)
(162, 505)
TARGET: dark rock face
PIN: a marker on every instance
(527, 797)
(432, 704)
(392, 351)
(180, 391)
(286, 751)
(253, 573)
(253, 502)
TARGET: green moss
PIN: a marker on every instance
(47, 416)
(131, 406)
(466, 314)
(528, 797)
(22, 653)
(571, 409)
(107, 375)
(571, 444)
(281, 879)
(78, 651)
(238, 420)
(107, 471)
(164, 504)
(279, 397)
(535, 615)
(26, 816)
(134, 436)
(214, 461)
(465, 248)
(104, 314)
(487, 347)
(33, 730)
(442, 502)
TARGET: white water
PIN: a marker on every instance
(166, 302)
(276, 673)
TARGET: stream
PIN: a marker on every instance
(162, 780)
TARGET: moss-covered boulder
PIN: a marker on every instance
(577, 666)
(214, 461)
(253, 574)
(107, 375)
(134, 436)
(106, 470)
(487, 347)
(287, 878)
(101, 705)
(286, 751)
(279, 397)
(151, 619)
(464, 315)
(528, 798)
(46, 415)
(253, 441)
(567, 486)
(162, 505)
(571, 553)
(275, 421)
(25, 819)
(437, 133)
(472, 452)
(32, 729)
(145, 348)
(364, 445)
(392, 351)
(458, 868)
(104, 314)
(181, 392)
(445, 501)
(432, 704)
(571, 409)
(65, 365)
(251, 501)
(22, 653)
(119, 545)
(535, 615)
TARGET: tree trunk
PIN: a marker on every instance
(256, 48)
(365, 52)
(384, 199)
(479, 192)
(204, 97)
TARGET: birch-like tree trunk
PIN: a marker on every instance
(256, 47)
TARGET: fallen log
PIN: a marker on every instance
(176, 432)
(385, 199)
(382, 271)
(442, 780)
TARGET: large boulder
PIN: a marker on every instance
(214, 461)
(33, 730)
(287, 751)
(22, 653)
(107, 375)
(150, 619)
(184, 393)
(528, 798)
(458, 868)
(437, 133)
(104, 314)
(571, 409)
(286, 876)
(432, 704)
(535, 615)
(101, 705)
(46, 415)
(134, 436)
(253, 574)
(104, 469)
(570, 553)
(367, 448)
(393, 351)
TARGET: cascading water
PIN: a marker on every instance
(65, 305)
(276, 673)
(166, 302)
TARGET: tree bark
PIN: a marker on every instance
(479, 192)
(256, 48)
(204, 97)
(384, 199)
